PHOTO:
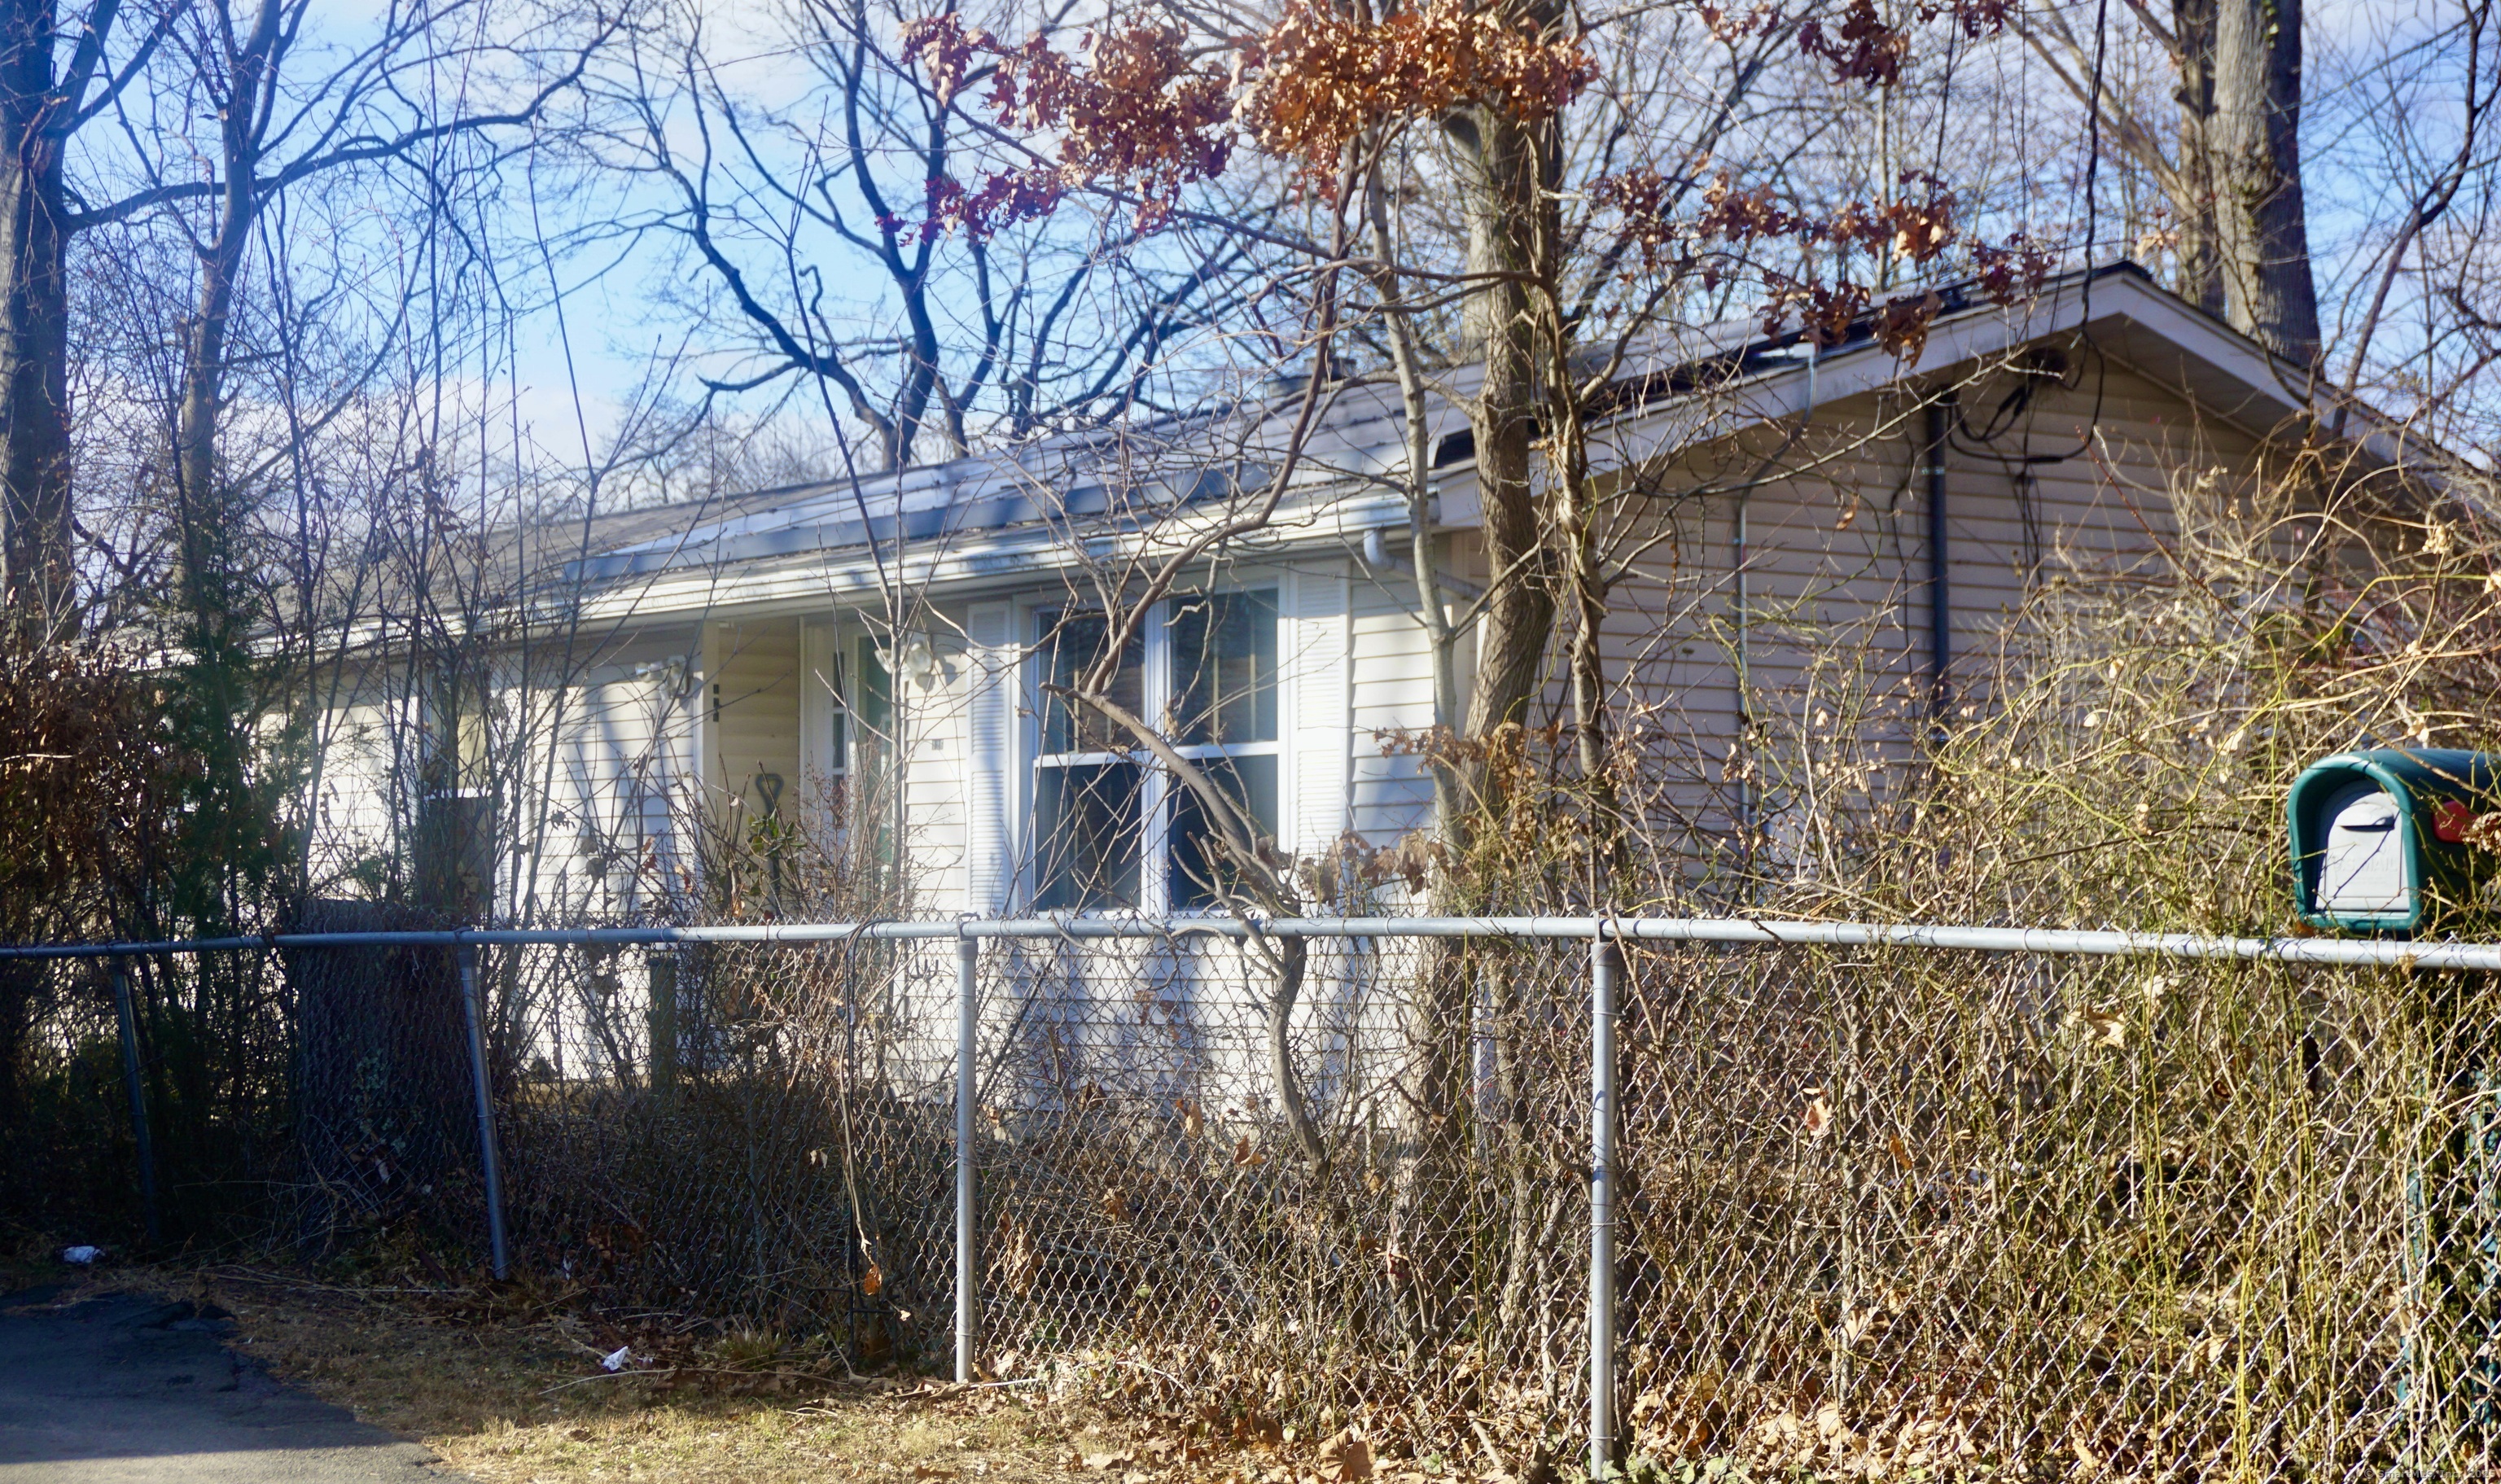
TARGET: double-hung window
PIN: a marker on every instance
(1112, 828)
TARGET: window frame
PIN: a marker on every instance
(1158, 789)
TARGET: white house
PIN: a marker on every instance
(646, 686)
(888, 636)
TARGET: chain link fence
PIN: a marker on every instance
(1892, 1202)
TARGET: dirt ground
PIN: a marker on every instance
(508, 1388)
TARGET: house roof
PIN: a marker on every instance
(974, 520)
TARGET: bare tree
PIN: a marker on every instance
(810, 269)
(288, 113)
(2233, 175)
(2436, 138)
(47, 98)
(283, 112)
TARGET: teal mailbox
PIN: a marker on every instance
(2390, 840)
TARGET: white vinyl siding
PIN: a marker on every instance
(1393, 693)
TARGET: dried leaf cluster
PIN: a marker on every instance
(1916, 229)
(1138, 116)
(1871, 45)
(1321, 78)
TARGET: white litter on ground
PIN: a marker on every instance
(80, 1255)
(616, 1359)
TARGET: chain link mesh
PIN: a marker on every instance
(2167, 1221)
(1881, 1210)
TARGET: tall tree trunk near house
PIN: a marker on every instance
(1512, 223)
(1507, 169)
(2261, 224)
(34, 323)
(2201, 278)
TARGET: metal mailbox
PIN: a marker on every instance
(2384, 840)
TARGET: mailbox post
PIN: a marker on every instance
(2382, 841)
(2392, 841)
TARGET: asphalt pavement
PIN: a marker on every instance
(133, 1390)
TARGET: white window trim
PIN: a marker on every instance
(1155, 786)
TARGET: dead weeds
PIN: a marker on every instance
(509, 1385)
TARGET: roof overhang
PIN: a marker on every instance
(828, 547)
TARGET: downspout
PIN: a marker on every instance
(1940, 599)
(1346, 754)
(1741, 601)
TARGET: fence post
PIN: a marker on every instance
(127, 1016)
(968, 956)
(476, 1009)
(1602, 1203)
(662, 1015)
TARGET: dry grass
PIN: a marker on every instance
(507, 1391)
(505, 1394)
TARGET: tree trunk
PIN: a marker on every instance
(34, 323)
(2261, 226)
(2201, 279)
(205, 508)
(21, 984)
(202, 506)
(1507, 171)
(1511, 219)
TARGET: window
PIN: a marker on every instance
(1203, 671)
(1089, 792)
(1223, 714)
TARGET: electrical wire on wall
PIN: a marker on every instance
(2012, 413)
(2028, 510)
(2090, 359)
(2012, 416)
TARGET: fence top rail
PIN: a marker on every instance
(1734, 931)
